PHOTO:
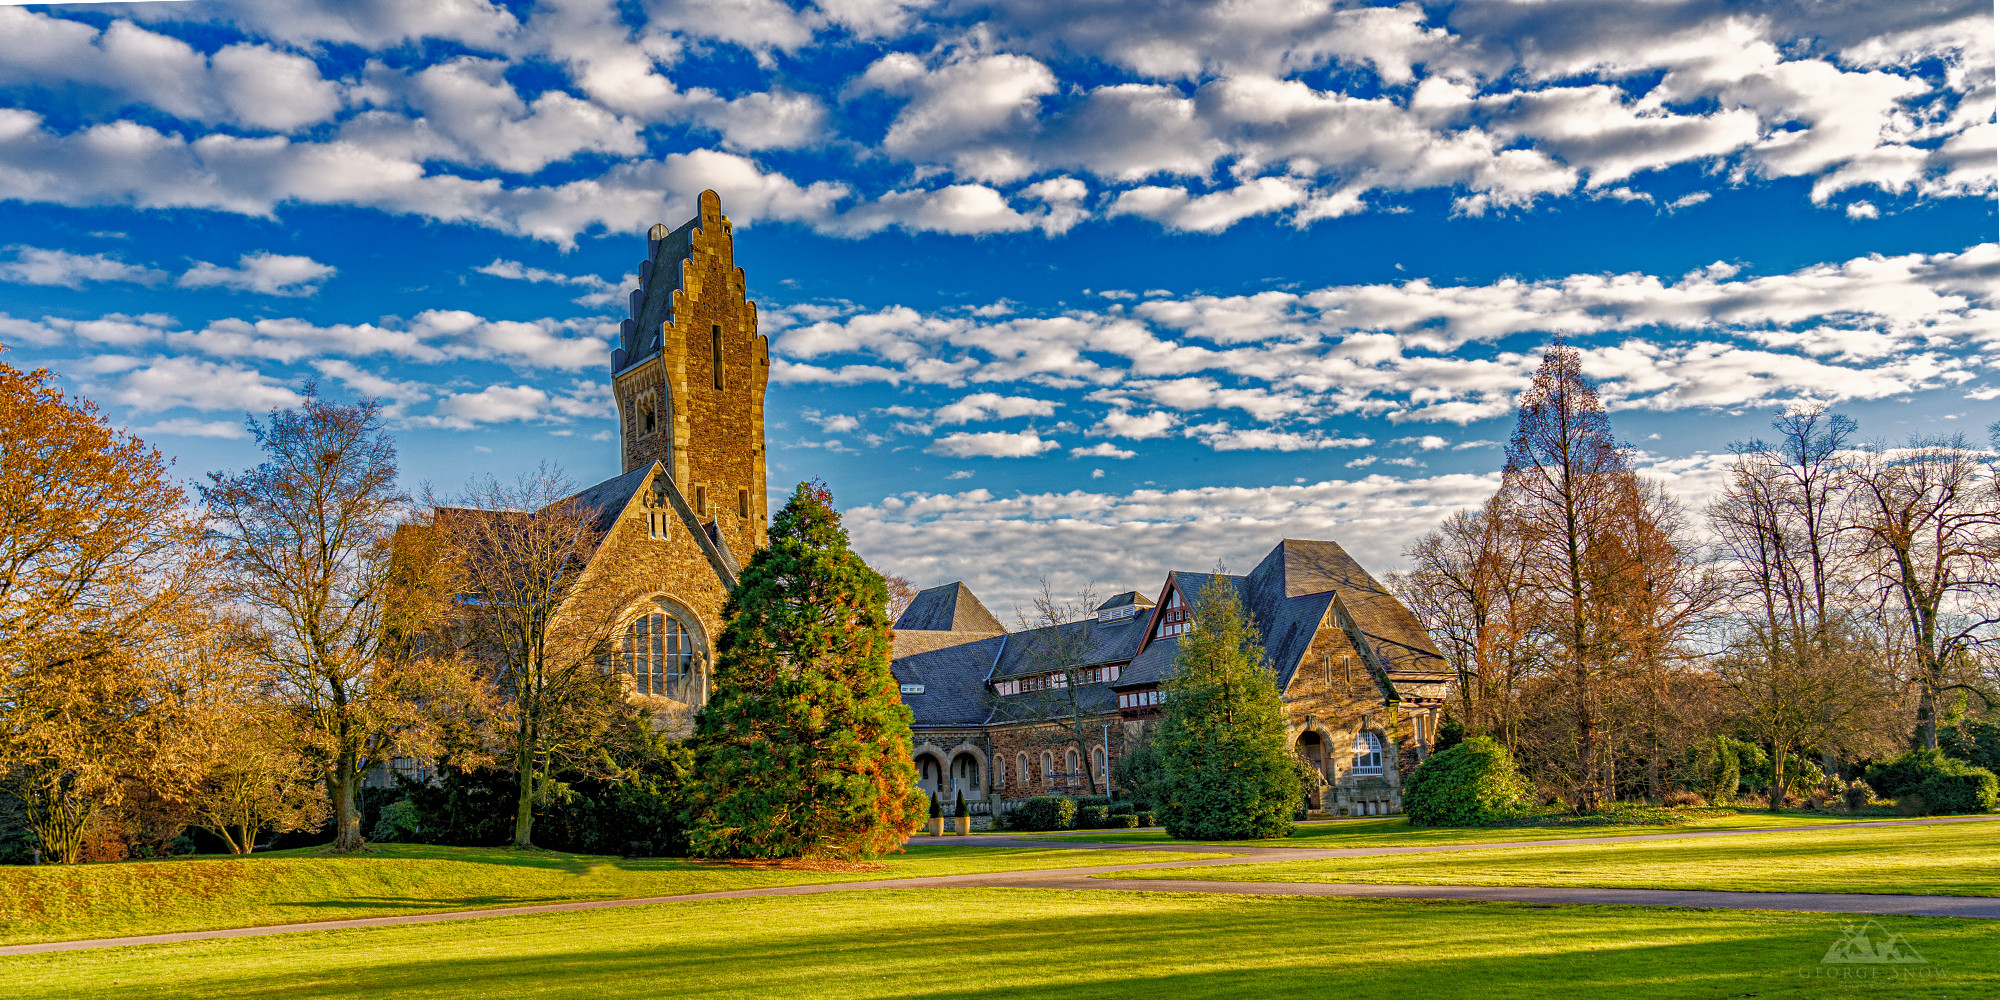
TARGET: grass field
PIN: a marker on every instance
(52, 903)
(1396, 831)
(1960, 859)
(991, 943)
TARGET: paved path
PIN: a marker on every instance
(1983, 907)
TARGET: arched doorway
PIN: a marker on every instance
(930, 775)
(1313, 749)
(965, 777)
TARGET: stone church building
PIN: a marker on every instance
(1362, 683)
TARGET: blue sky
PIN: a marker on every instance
(1084, 290)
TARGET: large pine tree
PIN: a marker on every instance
(804, 747)
(1229, 770)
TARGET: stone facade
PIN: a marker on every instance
(689, 376)
(1362, 685)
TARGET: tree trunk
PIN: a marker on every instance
(524, 804)
(343, 784)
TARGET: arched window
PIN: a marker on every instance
(1367, 753)
(965, 775)
(1069, 763)
(1021, 775)
(1097, 766)
(659, 653)
(999, 773)
(1048, 769)
(928, 774)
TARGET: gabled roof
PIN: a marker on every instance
(1390, 627)
(1129, 597)
(953, 679)
(611, 497)
(950, 608)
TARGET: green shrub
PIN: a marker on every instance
(1471, 784)
(1451, 733)
(1092, 818)
(1144, 817)
(960, 810)
(399, 822)
(1123, 821)
(1123, 808)
(1974, 742)
(1944, 784)
(1044, 812)
(937, 808)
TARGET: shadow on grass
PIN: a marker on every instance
(999, 943)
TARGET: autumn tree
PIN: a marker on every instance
(100, 562)
(517, 555)
(1229, 769)
(1465, 584)
(804, 747)
(901, 593)
(307, 535)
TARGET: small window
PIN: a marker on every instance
(1367, 753)
(743, 504)
(715, 353)
(1097, 764)
(646, 419)
(1021, 770)
(701, 501)
(1048, 769)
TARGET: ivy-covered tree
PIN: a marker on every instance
(804, 747)
(1229, 774)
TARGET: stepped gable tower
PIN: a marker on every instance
(689, 374)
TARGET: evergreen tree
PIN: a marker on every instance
(1228, 771)
(804, 747)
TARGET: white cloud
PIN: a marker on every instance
(1103, 449)
(992, 406)
(188, 427)
(159, 384)
(263, 272)
(992, 444)
(38, 266)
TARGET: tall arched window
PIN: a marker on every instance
(1097, 766)
(1022, 776)
(1069, 763)
(659, 653)
(1367, 753)
(1048, 769)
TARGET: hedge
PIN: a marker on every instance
(1471, 784)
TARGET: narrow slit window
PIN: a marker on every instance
(743, 504)
(715, 353)
(701, 501)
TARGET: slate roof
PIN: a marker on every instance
(950, 608)
(1028, 652)
(610, 498)
(954, 680)
(1296, 588)
(1126, 598)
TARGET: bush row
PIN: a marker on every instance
(1060, 812)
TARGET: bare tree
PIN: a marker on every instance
(1929, 519)
(1807, 693)
(307, 535)
(519, 553)
(901, 593)
(1464, 584)
(1058, 635)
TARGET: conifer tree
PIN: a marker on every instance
(804, 747)
(1228, 771)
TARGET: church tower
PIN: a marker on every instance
(689, 374)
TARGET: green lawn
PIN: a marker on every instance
(1396, 831)
(53, 903)
(1960, 859)
(971, 944)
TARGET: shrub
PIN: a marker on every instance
(1044, 812)
(1856, 796)
(1092, 818)
(1943, 784)
(937, 808)
(399, 822)
(1145, 817)
(1681, 799)
(1974, 742)
(1451, 733)
(1472, 784)
(1913, 805)
(1123, 809)
(960, 810)
(1123, 821)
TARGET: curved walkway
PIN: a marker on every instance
(1981, 907)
